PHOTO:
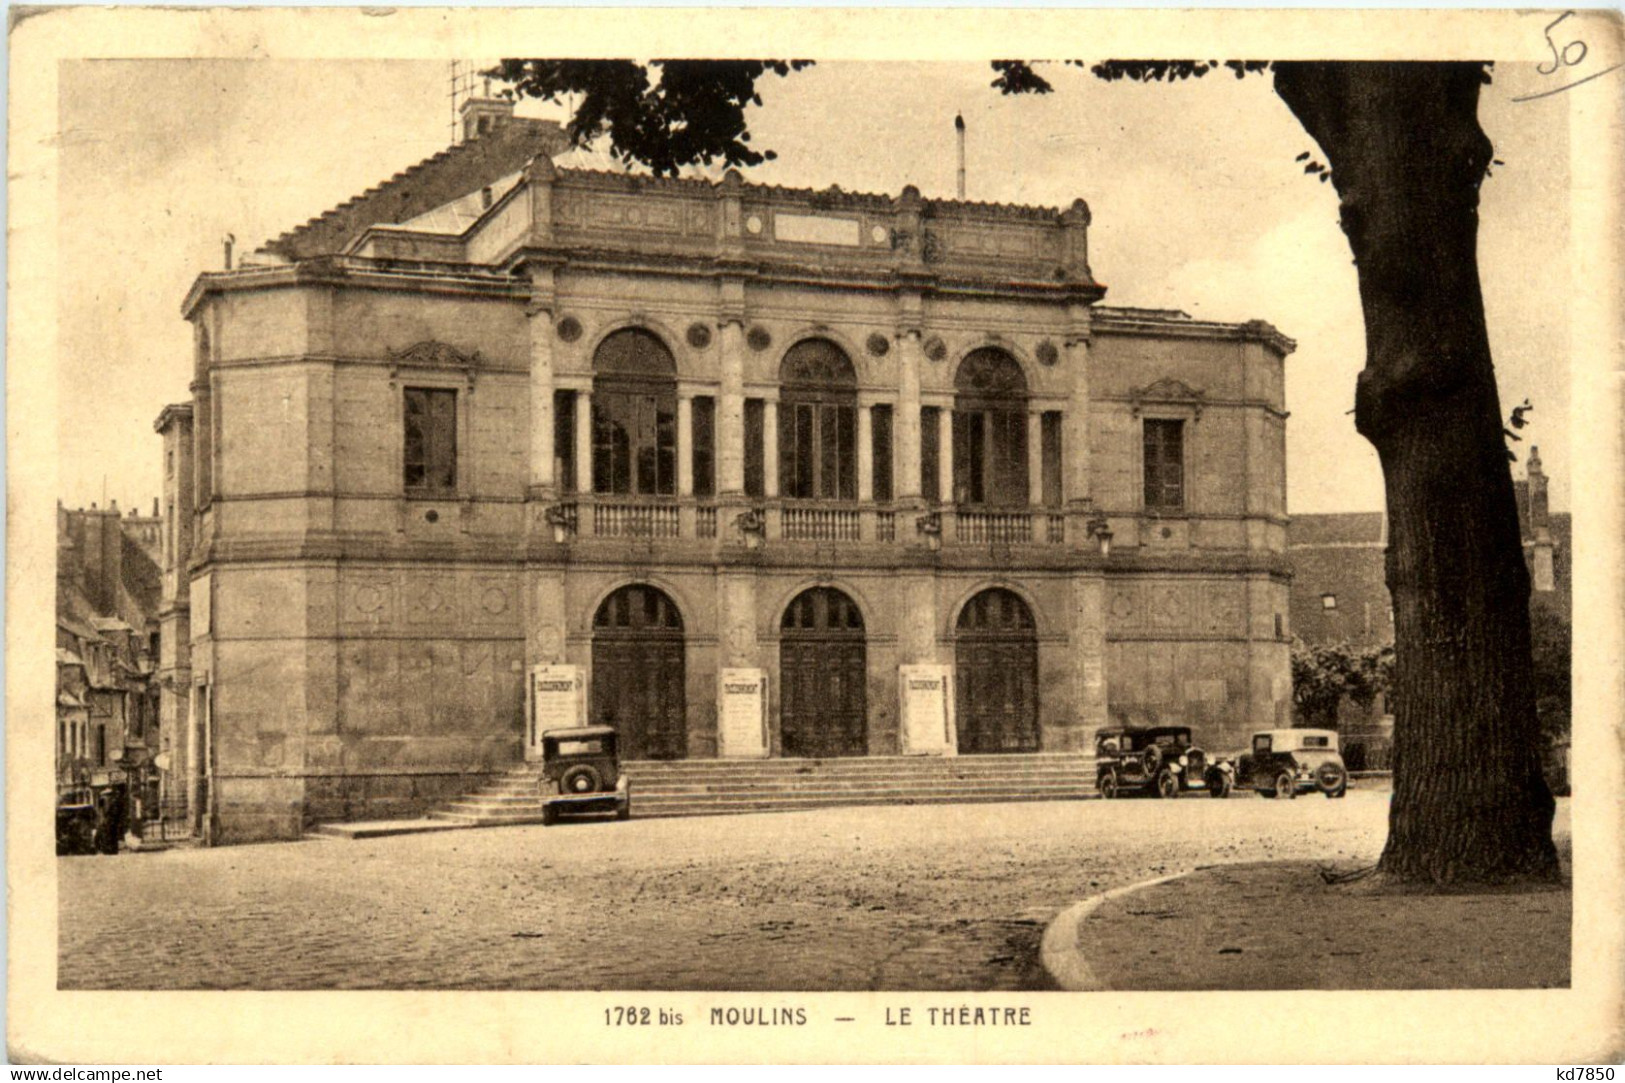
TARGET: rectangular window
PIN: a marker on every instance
(754, 462)
(704, 433)
(564, 440)
(1051, 427)
(880, 450)
(1164, 464)
(431, 440)
(930, 450)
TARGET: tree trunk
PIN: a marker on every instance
(1407, 156)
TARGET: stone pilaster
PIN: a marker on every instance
(542, 483)
(1088, 649)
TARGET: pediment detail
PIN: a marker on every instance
(1169, 390)
(434, 354)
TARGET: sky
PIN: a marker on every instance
(1198, 204)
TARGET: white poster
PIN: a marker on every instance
(928, 710)
(556, 700)
(742, 713)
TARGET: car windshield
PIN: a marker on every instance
(1317, 742)
(1168, 740)
(590, 747)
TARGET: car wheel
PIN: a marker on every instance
(1151, 758)
(1218, 784)
(582, 778)
(1285, 785)
(1332, 779)
(1107, 785)
(1167, 784)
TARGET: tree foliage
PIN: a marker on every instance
(1551, 640)
(664, 113)
(1325, 674)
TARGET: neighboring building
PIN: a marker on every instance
(634, 435)
(1340, 591)
(106, 646)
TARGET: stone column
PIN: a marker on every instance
(906, 420)
(539, 318)
(945, 453)
(730, 434)
(770, 447)
(583, 440)
(866, 454)
(1075, 427)
(685, 443)
(1035, 458)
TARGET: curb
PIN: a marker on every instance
(1058, 951)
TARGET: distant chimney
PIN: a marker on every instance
(482, 115)
(959, 132)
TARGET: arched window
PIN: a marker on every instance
(818, 423)
(634, 416)
(990, 429)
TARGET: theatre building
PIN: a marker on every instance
(746, 472)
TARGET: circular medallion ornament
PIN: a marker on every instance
(699, 336)
(878, 344)
(935, 348)
(569, 329)
(754, 223)
(878, 234)
(759, 339)
(1047, 353)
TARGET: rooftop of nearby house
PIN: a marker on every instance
(1342, 528)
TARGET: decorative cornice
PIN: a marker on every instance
(1173, 323)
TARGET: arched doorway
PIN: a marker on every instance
(637, 673)
(996, 657)
(823, 667)
(990, 430)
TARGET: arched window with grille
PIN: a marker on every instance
(990, 429)
(818, 423)
(634, 416)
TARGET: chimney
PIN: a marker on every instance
(1542, 567)
(959, 131)
(482, 115)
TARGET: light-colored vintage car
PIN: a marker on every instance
(1285, 763)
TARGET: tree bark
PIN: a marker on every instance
(1407, 157)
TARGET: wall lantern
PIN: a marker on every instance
(752, 526)
(929, 527)
(1099, 528)
(562, 518)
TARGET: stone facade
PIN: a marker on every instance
(368, 587)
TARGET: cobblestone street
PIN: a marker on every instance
(900, 898)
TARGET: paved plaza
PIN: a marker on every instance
(893, 898)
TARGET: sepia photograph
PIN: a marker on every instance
(724, 531)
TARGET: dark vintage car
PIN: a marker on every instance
(581, 772)
(90, 819)
(1155, 759)
(1285, 763)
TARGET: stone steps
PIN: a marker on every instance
(714, 787)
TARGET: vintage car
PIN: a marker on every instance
(581, 772)
(1285, 763)
(1156, 759)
